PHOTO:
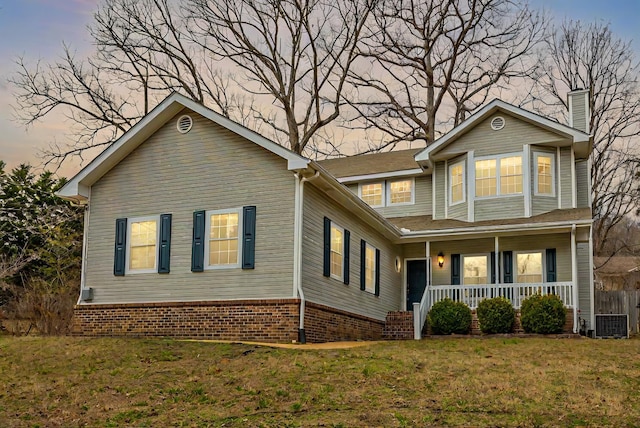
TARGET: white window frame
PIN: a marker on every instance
(464, 182)
(498, 158)
(383, 196)
(207, 228)
(341, 229)
(130, 222)
(552, 156)
(543, 261)
(487, 257)
(413, 192)
(371, 289)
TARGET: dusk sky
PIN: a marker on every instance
(35, 29)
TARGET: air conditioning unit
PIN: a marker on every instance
(612, 326)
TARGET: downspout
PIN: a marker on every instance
(83, 263)
(574, 277)
(297, 248)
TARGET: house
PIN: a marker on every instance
(617, 273)
(198, 227)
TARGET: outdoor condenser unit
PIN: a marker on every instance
(612, 326)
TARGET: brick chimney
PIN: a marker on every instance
(579, 114)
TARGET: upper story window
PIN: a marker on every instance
(222, 245)
(373, 194)
(456, 180)
(499, 176)
(387, 193)
(544, 178)
(143, 241)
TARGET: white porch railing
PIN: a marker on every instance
(471, 295)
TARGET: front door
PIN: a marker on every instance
(416, 281)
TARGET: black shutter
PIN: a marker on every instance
(455, 269)
(551, 265)
(164, 252)
(249, 232)
(507, 267)
(120, 256)
(493, 267)
(377, 272)
(347, 257)
(326, 265)
(363, 265)
(197, 247)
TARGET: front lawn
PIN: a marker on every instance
(64, 381)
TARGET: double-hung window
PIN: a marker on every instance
(499, 176)
(544, 177)
(142, 245)
(369, 268)
(337, 248)
(373, 194)
(529, 267)
(456, 180)
(336, 251)
(400, 192)
(222, 245)
(475, 270)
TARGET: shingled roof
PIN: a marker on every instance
(374, 163)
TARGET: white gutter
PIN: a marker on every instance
(381, 175)
(297, 248)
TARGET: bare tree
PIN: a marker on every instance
(432, 58)
(296, 52)
(589, 56)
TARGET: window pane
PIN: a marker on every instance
(142, 248)
(511, 175)
(143, 233)
(545, 180)
(529, 267)
(142, 257)
(372, 193)
(457, 187)
(336, 251)
(370, 268)
(475, 270)
(223, 239)
(400, 191)
(486, 177)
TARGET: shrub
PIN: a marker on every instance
(496, 315)
(447, 317)
(542, 314)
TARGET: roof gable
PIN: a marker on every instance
(580, 140)
(77, 188)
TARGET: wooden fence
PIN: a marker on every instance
(620, 302)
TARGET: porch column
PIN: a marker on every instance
(496, 245)
(574, 277)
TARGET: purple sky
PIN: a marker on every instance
(35, 29)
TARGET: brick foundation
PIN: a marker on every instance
(398, 326)
(325, 324)
(252, 320)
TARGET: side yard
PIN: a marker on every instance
(65, 381)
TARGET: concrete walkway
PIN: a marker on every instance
(306, 346)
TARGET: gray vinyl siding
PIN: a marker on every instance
(561, 242)
(579, 112)
(565, 177)
(422, 198)
(414, 250)
(584, 281)
(209, 168)
(459, 211)
(542, 204)
(582, 179)
(440, 172)
(487, 142)
(499, 207)
(332, 292)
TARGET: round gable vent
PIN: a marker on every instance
(184, 124)
(497, 123)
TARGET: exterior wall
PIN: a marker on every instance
(332, 292)
(423, 200)
(325, 324)
(484, 141)
(565, 178)
(208, 168)
(583, 182)
(440, 174)
(500, 207)
(584, 282)
(561, 242)
(261, 320)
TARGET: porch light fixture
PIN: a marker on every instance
(440, 259)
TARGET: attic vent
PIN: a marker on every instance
(497, 123)
(184, 124)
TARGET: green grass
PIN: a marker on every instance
(64, 381)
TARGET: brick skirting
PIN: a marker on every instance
(252, 320)
(326, 324)
(399, 326)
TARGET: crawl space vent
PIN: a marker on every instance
(184, 124)
(612, 326)
(497, 123)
